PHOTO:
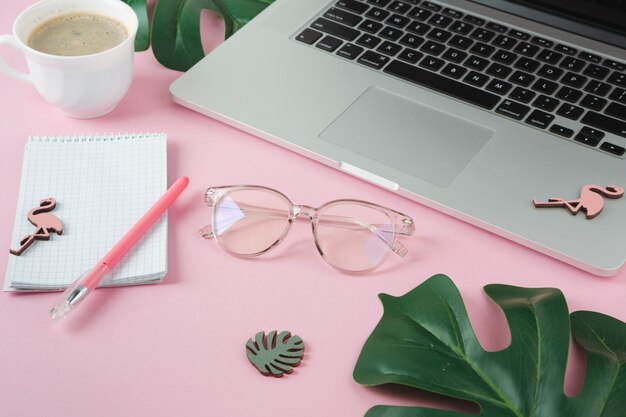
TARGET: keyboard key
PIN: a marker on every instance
(504, 56)
(461, 27)
(542, 42)
(432, 48)
(540, 119)
(498, 70)
(570, 111)
(411, 56)
(587, 56)
(443, 84)
(476, 78)
(527, 49)
(369, 41)
(432, 63)
(399, 7)
(482, 34)
(350, 51)
(550, 72)
(569, 94)
(618, 94)
(591, 132)
(440, 20)
(522, 94)
(419, 14)
(474, 20)
(596, 71)
(453, 71)
(309, 36)
(342, 16)
(496, 26)
(572, 64)
(454, 55)
(597, 87)
(412, 41)
(522, 78)
(499, 86)
(482, 49)
(566, 49)
(453, 13)
(551, 57)
(439, 35)
(519, 34)
(476, 63)
(377, 14)
(527, 64)
(352, 5)
(418, 28)
(617, 79)
(546, 103)
(460, 42)
(544, 86)
(611, 148)
(582, 138)
(618, 66)
(370, 26)
(380, 3)
(373, 59)
(512, 109)
(329, 43)
(561, 131)
(574, 80)
(616, 110)
(389, 48)
(397, 21)
(505, 42)
(605, 123)
(390, 33)
(336, 29)
(431, 6)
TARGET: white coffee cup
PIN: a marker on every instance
(84, 86)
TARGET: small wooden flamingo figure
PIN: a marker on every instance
(590, 200)
(45, 223)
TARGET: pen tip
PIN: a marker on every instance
(59, 311)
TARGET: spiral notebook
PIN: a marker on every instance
(102, 185)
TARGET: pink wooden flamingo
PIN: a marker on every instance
(590, 200)
(44, 222)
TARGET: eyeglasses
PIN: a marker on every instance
(353, 236)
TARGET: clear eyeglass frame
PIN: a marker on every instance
(399, 223)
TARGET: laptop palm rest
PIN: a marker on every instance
(411, 137)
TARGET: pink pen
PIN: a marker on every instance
(84, 285)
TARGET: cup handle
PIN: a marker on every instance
(4, 67)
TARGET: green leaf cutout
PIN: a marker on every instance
(142, 40)
(425, 340)
(176, 41)
(275, 355)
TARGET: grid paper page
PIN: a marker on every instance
(102, 185)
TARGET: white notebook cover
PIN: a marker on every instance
(102, 185)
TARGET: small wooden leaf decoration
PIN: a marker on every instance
(275, 355)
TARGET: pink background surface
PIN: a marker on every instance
(177, 348)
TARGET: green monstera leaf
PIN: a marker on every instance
(142, 40)
(274, 354)
(425, 340)
(176, 39)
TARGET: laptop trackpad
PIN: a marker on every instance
(407, 135)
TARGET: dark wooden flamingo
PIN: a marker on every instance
(590, 200)
(45, 223)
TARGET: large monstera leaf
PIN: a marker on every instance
(425, 340)
(176, 27)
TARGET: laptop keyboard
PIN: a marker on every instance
(567, 91)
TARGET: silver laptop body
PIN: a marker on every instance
(476, 163)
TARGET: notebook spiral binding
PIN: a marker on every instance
(94, 137)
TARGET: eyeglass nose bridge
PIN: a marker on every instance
(304, 210)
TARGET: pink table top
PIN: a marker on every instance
(177, 348)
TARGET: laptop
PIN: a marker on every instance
(474, 108)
